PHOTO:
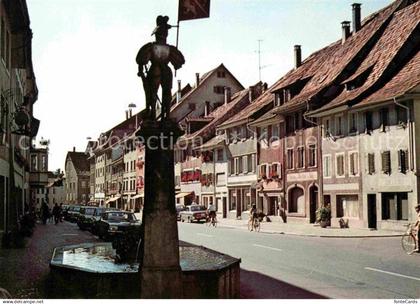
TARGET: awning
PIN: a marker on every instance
(113, 199)
(138, 196)
(182, 194)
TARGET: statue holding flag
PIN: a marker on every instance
(158, 54)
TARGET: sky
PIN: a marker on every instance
(84, 53)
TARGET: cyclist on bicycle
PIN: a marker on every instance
(212, 212)
(417, 227)
(253, 215)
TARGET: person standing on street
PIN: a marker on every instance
(56, 213)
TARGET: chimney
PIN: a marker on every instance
(298, 56)
(126, 115)
(227, 95)
(74, 149)
(207, 108)
(345, 25)
(197, 79)
(131, 113)
(178, 94)
(357, 21)
(264, 87)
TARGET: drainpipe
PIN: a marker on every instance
(256, 162)
(410, 133)
(319, 157)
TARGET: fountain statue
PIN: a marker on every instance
(161, 275)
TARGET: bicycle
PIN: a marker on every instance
(211, 221)
(256, 225)
(408, 240)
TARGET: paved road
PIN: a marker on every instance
(280, 266)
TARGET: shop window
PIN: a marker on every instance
(395, 206)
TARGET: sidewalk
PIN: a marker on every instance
(24, 272)
(309, 230)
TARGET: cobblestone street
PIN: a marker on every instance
(24, 272)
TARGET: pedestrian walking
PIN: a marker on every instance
(56, 213)
(45, 213)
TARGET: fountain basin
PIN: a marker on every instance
(88, 271)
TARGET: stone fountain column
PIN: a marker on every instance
(161, 275)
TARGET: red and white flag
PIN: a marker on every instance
(193, 9)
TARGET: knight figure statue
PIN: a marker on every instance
(153, 61)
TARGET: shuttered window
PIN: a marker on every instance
(386, 162)
(244, 164)
(327, 166)
(263, 171)
(368, 121)
(232, 166)
(340, 165)
(403, 161)
(312, 156)
(371, 163)
(290, 164)
(249, 164)
(301, 157)
(354, 163)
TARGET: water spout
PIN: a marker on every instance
(138, 248)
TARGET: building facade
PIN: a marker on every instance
(77, 171)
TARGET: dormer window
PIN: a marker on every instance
(358, 80)
(278, 99)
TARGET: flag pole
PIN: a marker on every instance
(177, 36)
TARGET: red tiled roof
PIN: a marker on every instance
(403, 25)
(262, 101)
(407, 79)
(336, 60)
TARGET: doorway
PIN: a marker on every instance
(313, 203)
(371, 204)
(272, 206)
(224, 207)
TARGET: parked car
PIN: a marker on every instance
(72, 213)
(99, 211)
(193, 213)
(179, 208)
(64, 210)
(116, 222)
(85, 218)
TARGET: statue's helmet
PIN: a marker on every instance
(162, 26)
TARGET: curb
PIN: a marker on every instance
(316, 235)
